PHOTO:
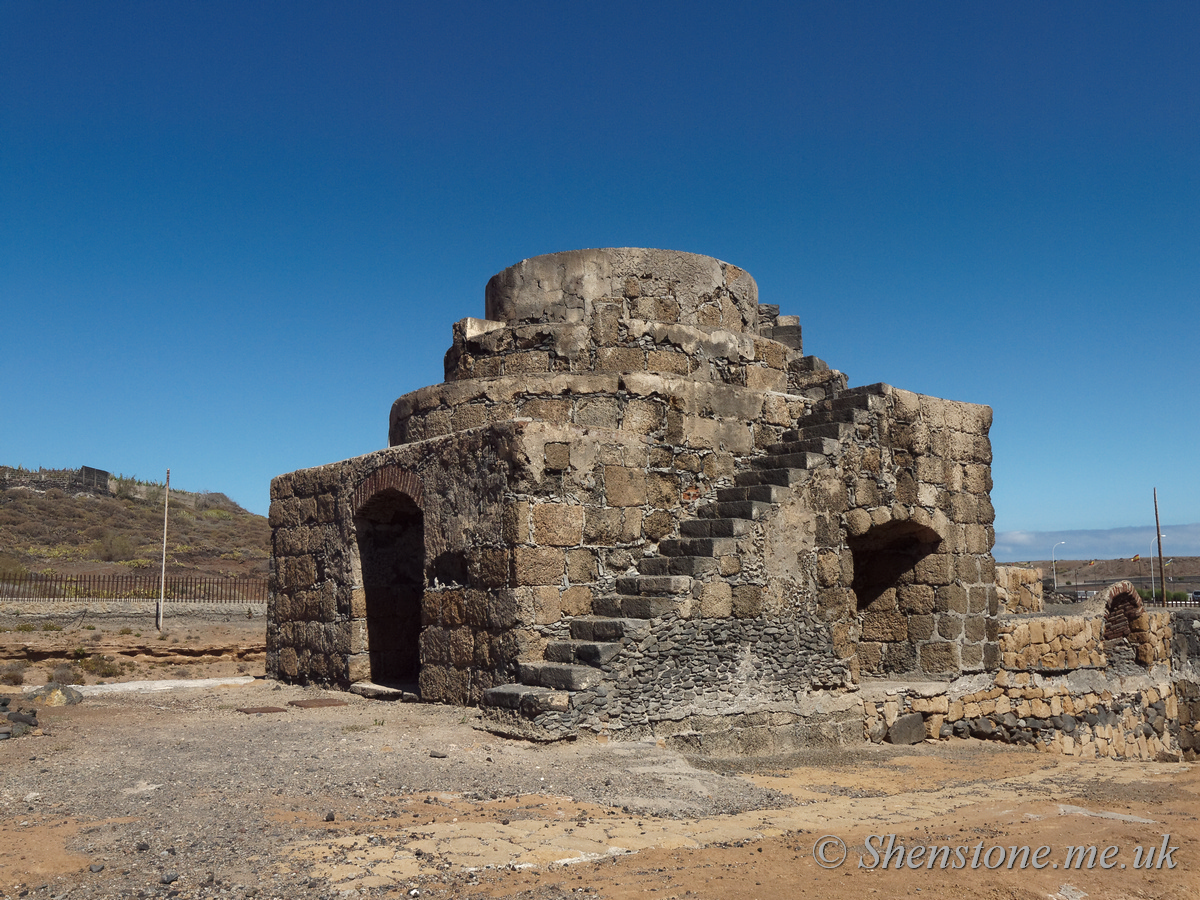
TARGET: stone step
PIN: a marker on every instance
(529, 700)
(833, 430)
(782, 477)
(584, 653)
(606, 628)
(714, 527)
(741, 509)
(788, 335)
(840, 415)
(560, 676)
(766, 493)
(821, 445)
(654, 584)
(635, 607)
(676, 565)
(698, 546)
(791, 461)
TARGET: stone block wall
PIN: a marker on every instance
(635, 506)
(1019, 589)
(910, 519)
(1052, 643)
(1080, 714)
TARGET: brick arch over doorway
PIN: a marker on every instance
(1122, 609)
(389, 526)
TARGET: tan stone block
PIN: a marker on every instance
(729, 565)
(884, 625)
(716, 600)
(643, 416)
(921, 628)
(662, 490)
(547, 605)
(624, 486)
(602, 525)
(760, 378)
(657, 525)
(577, 601)
(829, 568)
(620, 359)
(971, 711)
(939, 657)
(954, 710)
(747, 601)
(870, 657)
(557, 456)
(858, 522)
(670, 362)
(526, 362)
(777, 411)
(536, 566)
(556, 412)
(933, 569)
(515, 523)
(557, 525)
(581, 566)
(489, 567)
(597, 412)
(939, 704)
(951, 598)
(915, 598)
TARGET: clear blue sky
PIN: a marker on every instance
(232, 233)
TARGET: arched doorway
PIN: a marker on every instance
(390, 528)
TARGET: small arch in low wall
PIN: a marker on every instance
(1122, 607)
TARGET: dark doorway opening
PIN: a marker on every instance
(391, 550)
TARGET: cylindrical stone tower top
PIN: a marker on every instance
(656, 285)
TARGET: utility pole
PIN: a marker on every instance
(162, 585)
(1161, 570)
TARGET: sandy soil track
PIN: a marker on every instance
(178, 793)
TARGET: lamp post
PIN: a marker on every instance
(1054, 565)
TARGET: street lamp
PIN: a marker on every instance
(1054, 565)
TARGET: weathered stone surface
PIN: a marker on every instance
(630, 436)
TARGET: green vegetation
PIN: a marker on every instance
(1172, 596)
(103, 666)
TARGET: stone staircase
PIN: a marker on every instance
(545, 702)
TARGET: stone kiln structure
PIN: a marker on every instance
(634, 505)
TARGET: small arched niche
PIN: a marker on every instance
(390, 531)
(885, 557)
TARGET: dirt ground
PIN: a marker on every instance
(180, 793)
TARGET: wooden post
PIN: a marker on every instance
(1162, 573)
(162, 585)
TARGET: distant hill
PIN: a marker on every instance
(120, 531)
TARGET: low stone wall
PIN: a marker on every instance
(1081, 714)
(1052, 643)
(1019, 589)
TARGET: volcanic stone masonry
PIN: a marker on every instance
(635, 506)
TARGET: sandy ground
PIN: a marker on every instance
(178, 793)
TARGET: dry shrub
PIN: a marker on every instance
(66, 674)
(14, 673)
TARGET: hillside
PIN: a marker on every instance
(81, 533)
(1183, 572)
